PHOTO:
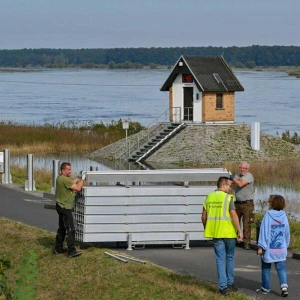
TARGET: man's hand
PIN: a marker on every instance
(82, 175)
(239, 236)
(231, 177)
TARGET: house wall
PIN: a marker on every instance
(176, 98)
(211, 114)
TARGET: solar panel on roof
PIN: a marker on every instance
(217, 78)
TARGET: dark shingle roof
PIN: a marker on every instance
(204, 70)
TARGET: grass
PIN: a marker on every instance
(72, 137)
(95, 275)
(283, 173)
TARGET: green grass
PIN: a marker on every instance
(94, 275)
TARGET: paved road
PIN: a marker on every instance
(199, 262)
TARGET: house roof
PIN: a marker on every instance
(211, 74)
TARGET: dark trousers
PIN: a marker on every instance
(245, 210)
(66, 229)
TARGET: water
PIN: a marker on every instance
(52, 96)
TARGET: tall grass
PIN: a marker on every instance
(284, 173)
(62, 137)
(94, 275)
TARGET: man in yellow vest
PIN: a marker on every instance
(221, 223)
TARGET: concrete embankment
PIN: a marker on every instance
(211, 145)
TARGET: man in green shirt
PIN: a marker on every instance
(65, 196)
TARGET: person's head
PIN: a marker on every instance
(66, 169)
(276, 202)
(224, 184)
(244, 167)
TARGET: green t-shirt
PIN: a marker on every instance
(63, 194)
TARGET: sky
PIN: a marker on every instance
(77, 24)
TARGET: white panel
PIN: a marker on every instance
(146, 200)
(111, 219)
(147, 209)
(165, 175)
(122, 237)
(105, 191)
(197, 114)
(131, 228)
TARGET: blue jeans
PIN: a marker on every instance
(266, 272)
(224, 252)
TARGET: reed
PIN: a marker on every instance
(77, 137)
(284, 173)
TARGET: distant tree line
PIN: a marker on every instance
(239, 57)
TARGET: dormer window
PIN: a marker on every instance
(187, 78)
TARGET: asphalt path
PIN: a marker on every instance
(199, 261)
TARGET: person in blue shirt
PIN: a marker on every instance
(274, 239)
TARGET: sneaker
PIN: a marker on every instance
(232, 288)
(284, 292)
(61, 251)
(224, 292)
(74, 253)
(247, 247)
(261, 291)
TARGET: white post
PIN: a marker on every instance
(55, 172)
(1, 161)
(29, 183)
(255, 136)
(125, 125)
(6, 176)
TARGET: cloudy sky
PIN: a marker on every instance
(79, 24)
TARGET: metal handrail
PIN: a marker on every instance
(135, 141)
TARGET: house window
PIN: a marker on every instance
(219, 102)
(187, 78)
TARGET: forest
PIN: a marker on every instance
(238, 57)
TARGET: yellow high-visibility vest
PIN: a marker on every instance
(219, 223)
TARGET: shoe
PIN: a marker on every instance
(261, 291)
(224, 292)
(284, 292)
(74, 253)
(61, 251)
(232, 288)
(247, 247)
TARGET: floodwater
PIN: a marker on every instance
(53, 96)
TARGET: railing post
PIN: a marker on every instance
(55, 172)
(6, 176)
(93, 169)
(29, 183)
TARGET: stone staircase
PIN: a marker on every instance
(156, 141)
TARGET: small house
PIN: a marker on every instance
(202, 90)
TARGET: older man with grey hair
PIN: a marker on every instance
(244, 194)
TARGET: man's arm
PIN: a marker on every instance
(240, 182)
(78, 185)
(236, 224)
(204, 217)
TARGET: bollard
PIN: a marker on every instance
(1, 162)
(29, 183)
(6, 176)
(55, 172)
